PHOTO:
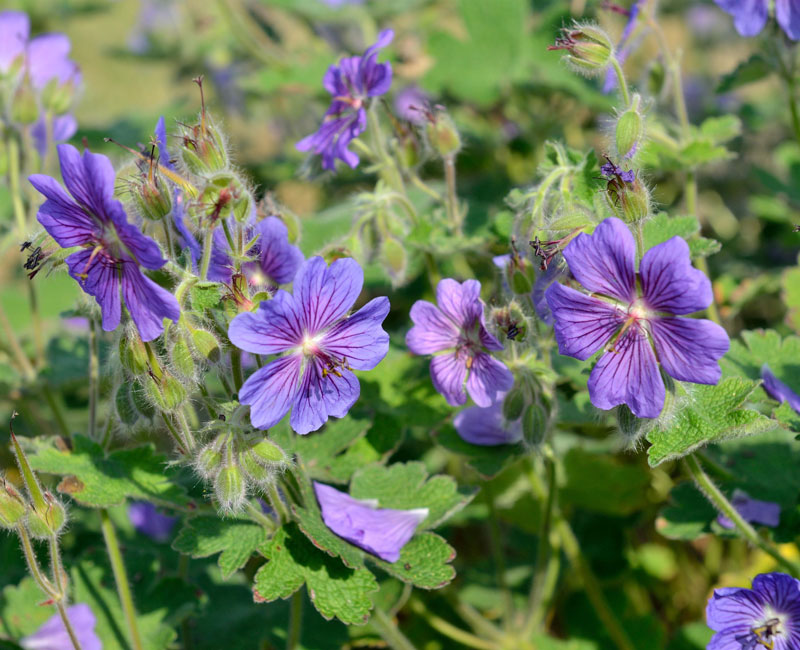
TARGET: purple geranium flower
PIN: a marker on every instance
(381, 531)
(315, 380)
(487, 426)
(750, 16)
(766, 616)
(53, 635)
(632, 314)
(456, 334)
(149, 521)
(765, 513)
(411, 103)
(351, 83)
(776, 389)
(610, 170)
(277, 259)
(113, 249)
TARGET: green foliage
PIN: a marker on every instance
(753, 69)
(101, 480)
(706, 414)
(235, 539)
(336, 590)
(663, 227)
(487, 461)
(790, 282)
(688, 515)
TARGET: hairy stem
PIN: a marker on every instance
(621, 82)
(389, 631)
(14, 156)
(121, 578)
(295, 620)
(33, 565)
(62, 612)
(208, 245)
(721, 503)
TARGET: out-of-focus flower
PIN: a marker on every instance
(455, 333)
(351, 83)
(113, 249)
(410, 104)
(315, 379)
(625, 315)
(766, 616)
(146, 519)
(765, 513)
(750, 16)
(53, 635)
(776, 389)
(625, 46)
(381, 531)
(487, 426)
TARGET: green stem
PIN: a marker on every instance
(277, 504)
(451, 198)
(206, 259)
(33, 565)
(621, 82)
(58, 570)
(167, 236)
(721, 503)
(449, 630)
(16, 190)
(389, 631)
(259, 517)
(121, 578)
(186, 430)
(36, 318)
(537, 598)
(236, 368)
(499, 558)
(389, 170)
(295, 620)
(56, 409)
(94, 377)
(474, 618)
(62, 612)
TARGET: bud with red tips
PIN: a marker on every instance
(588, 48)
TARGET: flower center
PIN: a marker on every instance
(763, 635)
(332, 365)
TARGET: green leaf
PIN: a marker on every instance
(760, 347)
(406, 486)
(603, 484)
(706, 414)
(701, 152)
(491, 50)
(663, 227)
(233, 538)
(688, 514)
(336, 590)
(424, 562)
(754, 69)
(721, 129)
(101, 481)
(790, 284)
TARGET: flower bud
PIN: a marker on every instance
(626, 194)
(138, 396)
(209, 461)
(48, 520)
(152, 195)
(442, 134)
(133, 355)
(206, 345)
(126, 411)
(510, 322)
(514, 404)
(24, 108)
(167, 393)
(628, 423)
(230, 488)
(589, 49)
(394, 258)
(630, 129)
(181, 357)
(534, 424)
(57, 97)
(12, 505)
(257, 472)
(267, 452)
(202, 147)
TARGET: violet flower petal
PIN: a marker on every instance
(100, 279)
(52, 635)
(777, 390)
(148, 303)
(604, 261)
(749, 16)
(787, 13)
(270, 391)
(448, 374)
(487, 379)
(279, 259)
(360, 339)
(322, 396)
(14, 31)
(486, 426)
(628, 374)
(689, 349)
(432, 331)
(147, 520)
(460, 302)
(380, 531)
(765, 513)
(326, 293)
(275, 327)
(669, 281)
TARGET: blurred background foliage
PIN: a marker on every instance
(487, 62)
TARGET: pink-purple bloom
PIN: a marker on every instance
(634, 318)
(765, 513)
(52, 635)
(455, 333)
(147, 520)
(750, 16)
(113, 250)
(324, 345)
(486, 426)
(381, 531)
(766, 616)
(351, 83)
(776, 389)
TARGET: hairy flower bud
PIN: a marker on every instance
(589, 49)
(47, 520)
(138, 395)
(206, 345)
(167, 393)
(230, 487)
(256, 472)
(534, 424)
(126, 410)
(394, 258)
(442, 133)
(12, 505)
(629, 131)
(626, 195)
(57, 97)
(133, 355)
(208, 461)
(181, 357)
(152, 195)
(514, 404)
(203, 149)
(267, 452)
